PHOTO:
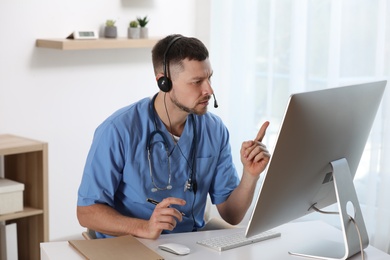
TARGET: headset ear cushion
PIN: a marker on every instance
(164, 83)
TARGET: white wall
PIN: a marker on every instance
(61, 96)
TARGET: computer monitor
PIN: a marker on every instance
(317, 153)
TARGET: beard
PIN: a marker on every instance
(184, 108)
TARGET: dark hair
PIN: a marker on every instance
(184, 48)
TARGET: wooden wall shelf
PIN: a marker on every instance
(26, 161)
(101, 43)
(27, 212)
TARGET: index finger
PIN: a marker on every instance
(171, 201)
(261, 133)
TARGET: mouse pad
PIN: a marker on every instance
(124, 247)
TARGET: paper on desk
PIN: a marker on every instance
(124, 247)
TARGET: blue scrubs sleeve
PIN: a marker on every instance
(226, 179)
(103, 168)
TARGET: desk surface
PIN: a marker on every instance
(293, 234)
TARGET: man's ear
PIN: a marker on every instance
(164, 83)
(159, 75)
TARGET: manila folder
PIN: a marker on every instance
(123, 247)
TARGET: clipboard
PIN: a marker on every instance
(117, 248)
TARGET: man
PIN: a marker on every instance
(168, 150)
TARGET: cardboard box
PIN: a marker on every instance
(11, 196)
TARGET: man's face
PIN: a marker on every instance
(191, 89)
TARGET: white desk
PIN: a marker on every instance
(293, 234)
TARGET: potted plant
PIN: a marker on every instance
(142, 23)
(110, 31)
(133, 32)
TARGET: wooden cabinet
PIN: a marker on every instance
(26, 161)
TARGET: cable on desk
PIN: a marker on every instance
(360, 238)
(350, 218)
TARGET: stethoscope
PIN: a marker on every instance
(190, 184)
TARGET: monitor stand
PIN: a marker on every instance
(355, 237)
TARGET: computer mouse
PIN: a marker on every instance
(175, 248)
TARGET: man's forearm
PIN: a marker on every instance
(236, 206)
(105, 219)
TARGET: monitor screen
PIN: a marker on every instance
(318, 128)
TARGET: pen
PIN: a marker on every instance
(155, 202)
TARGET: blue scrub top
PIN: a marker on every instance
(117, 167)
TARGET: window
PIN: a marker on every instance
(264, 50)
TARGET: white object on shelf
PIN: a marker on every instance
(84, 35)
(11, 196)
(8, 242)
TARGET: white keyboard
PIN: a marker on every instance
(238, 239)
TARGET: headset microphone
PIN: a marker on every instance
(215, 101)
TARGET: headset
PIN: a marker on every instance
(165, 83)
